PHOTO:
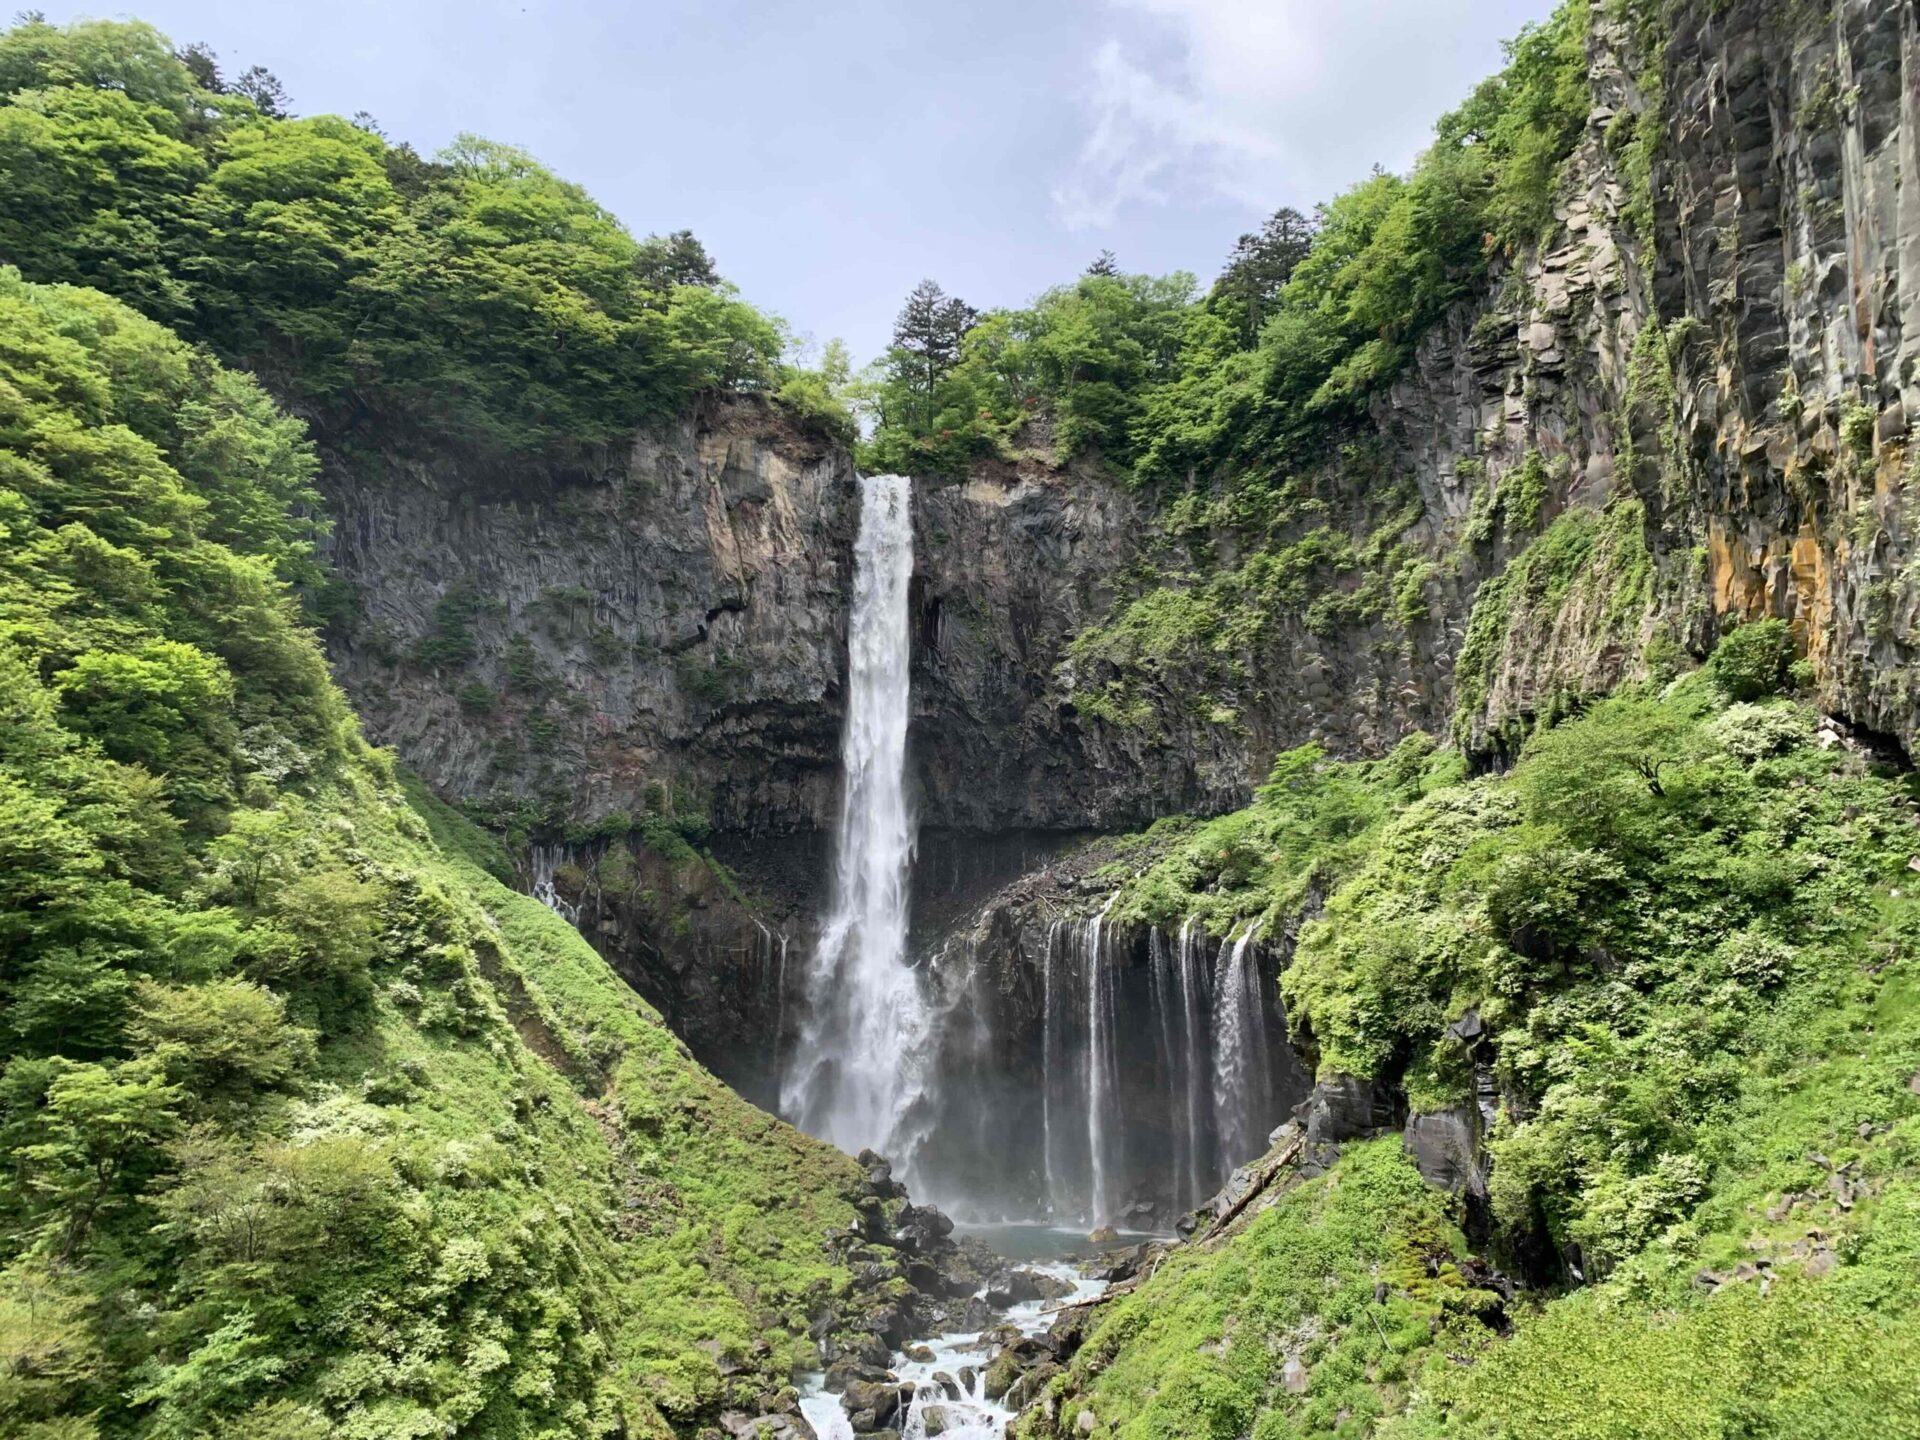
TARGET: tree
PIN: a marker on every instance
(263, 88)
(1104, 264)
(667, 261)
(98, 1127)
(1261, 264)
(926, 347)
(204, 66)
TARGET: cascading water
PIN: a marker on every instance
(1100, 1065)
(1046, 1059)
(1184, 1022)
(1239, 1046)
(546, 859)
(858, 1059)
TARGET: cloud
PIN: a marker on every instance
(1266, 102)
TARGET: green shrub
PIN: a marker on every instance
(1751, 660)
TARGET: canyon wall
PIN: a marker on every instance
(1688, 406)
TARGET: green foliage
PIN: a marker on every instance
(472, 301)
(1083, 355)
(1689, 934)
(312, 1127)
(1309, 319)
(1595, 565)
(1311, 821)
(1750, 662)
(1203, 1347)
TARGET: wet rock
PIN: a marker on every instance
(949, 1387)
(1444, 1146)
(880, 1181)
(1118, 1265)
(919, 1354)
(1017, 1358)
(842, 1372)
(784, 1426)
(872, 1405)
(921, 1228)
(1028, 1388)
(1346, 1107)
(937, 1419)
(1102, 1235)
(1468, 1029)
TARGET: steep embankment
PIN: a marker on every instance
(1639, 1020)
(1686, 407)
(313, 1126)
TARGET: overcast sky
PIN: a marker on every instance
(832, 153)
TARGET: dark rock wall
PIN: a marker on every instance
(1728, 334)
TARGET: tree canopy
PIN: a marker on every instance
(473, 300)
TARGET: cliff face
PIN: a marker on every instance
(1688, 406)
(667, 637)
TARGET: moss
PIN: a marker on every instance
(1599, 558)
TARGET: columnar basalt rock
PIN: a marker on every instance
(1711, 362)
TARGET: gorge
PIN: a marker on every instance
(566, 870)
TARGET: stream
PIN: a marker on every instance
(969, 1415)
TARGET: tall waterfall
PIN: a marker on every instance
(1189, 982)
(860, 1057)
(1102, 1067)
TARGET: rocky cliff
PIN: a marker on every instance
(1688, 406)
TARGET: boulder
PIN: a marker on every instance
(1024, 1391)
(742, 1426)
(1346, 1107)
(949, 1387)
(938, 1420)
(872, 1405)
(921, 1228)
(1444, 1146)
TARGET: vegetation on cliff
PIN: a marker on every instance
(472, 300)
(310, 1126)
(1308, 320)
(1676, 948)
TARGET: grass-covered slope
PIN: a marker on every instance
(309, 1126)
(1689, 925)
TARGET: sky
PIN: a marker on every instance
(831, 154)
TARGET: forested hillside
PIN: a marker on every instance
(472, 300)
(1509, 568)
(311, 1126)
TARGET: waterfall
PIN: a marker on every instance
(861, 1053)
(1239, 1049)
(1189, 979)
(1172, 1057)
(1046, 1061)
(1100, 1065)
(546, 859)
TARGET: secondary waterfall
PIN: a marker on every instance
(1239, 1047)
(1102, 1064)
(861, 1053)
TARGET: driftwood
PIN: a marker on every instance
(1268, 1174)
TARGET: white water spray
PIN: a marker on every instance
(860, 1056)
(1239, 1047)
(1100, 1064)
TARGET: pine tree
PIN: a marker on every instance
(926, 347)
(1261, 263)
(1104, 264)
